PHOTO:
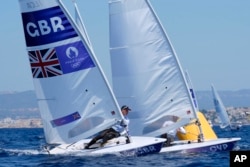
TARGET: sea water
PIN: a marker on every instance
(22, 147)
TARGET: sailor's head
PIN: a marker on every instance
(125, 109)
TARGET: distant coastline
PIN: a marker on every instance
(20, 109)
(240, 114)
(21, 123)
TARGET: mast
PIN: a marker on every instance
(193, 94)
(195, 102)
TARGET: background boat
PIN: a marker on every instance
(222, 114)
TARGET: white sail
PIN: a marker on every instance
(146, 72)
(74, 98)
(220, 109)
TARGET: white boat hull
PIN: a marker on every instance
(215, 145)
(138, 147)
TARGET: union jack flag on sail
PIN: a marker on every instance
(44, 63)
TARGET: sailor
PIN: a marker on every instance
(119, 129)
(170, 135)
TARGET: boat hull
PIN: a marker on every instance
(139, 146)
(216, 145)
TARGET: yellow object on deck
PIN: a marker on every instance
(192, 130)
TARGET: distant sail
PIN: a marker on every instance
(220, 109)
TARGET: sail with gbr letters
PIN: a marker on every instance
(64, 69)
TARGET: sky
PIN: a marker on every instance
(211, 39)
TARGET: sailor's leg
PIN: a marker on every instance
(96, 138)
(109, 135)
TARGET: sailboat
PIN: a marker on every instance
(146, 73)
(74, 97)
(222, 112)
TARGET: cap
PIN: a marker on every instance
(125, 107)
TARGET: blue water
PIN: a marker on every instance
(22, 147)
